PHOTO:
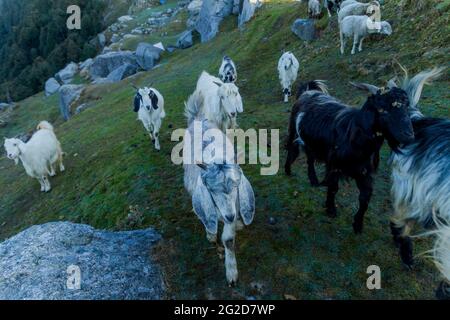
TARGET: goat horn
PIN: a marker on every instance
(403, 68)
(134, 86)
(218, 83)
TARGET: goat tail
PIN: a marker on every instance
(318, 85)
(193, 106)
(44, 125)
(293, 135)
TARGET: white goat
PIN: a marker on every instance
(221, 101)
(358, 28)
(149, 104)
(313, 8)
(355, 8)
(38, 155)
(228, 71)
(219, 189)
(287, 70)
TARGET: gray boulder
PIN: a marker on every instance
(4, 106)
(68, 94)
(185, 40)
(304, 29)
(67, 261)
(115, 38)
(66, 75)
(248, 10)
(101, 39)
(122, 72)
(51, 86)
(147, 55)
(211, 15)
(104, 64)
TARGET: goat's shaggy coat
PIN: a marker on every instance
(221, 102)
(348, 140)
(219, 189)
(228, 71)
(149, 104)
(287, 71)
(421, 177)
(39, 155)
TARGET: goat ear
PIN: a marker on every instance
(137, 103)
(204, 207)
(246, 201)
(218, 83)
(366, 87)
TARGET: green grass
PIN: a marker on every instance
(111, 166)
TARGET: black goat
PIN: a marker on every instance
(347, 139)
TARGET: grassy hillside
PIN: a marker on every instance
(116, 180)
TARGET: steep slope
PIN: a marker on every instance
(115, 179)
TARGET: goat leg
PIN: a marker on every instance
(333, 187)
(228, 240)
(364, 183)
(311, 169)
(293, 153)
(400, 232)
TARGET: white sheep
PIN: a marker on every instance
(149, 104)
(287, 70)
(358, 28)
(313, 8)
(218, 187)
(221, 101)
(355, 8)
(228, 71)
(38, 155)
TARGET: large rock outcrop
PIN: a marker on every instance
(67, 261)
(68, 94)
(122, 72)
(305, 29)
(147, 55)
(248, 10)
(106, 63)
(66, 75)
(211, 15)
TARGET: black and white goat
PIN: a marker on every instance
(347, 139)
(228, 71)
(421, 173)
(332, 5)
(287, 71)
(219, 189)
(149, 104)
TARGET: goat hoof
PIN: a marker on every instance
(357, 228)
(443, 291)
(232, 283)
(332, 212)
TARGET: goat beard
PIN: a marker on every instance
(16, 161)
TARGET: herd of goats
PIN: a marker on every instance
(346, 139)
